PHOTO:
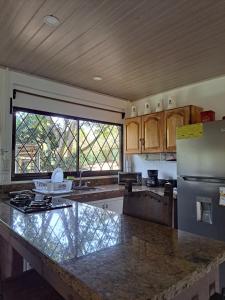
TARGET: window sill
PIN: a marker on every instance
(76, 179)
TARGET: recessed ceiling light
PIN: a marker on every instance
(97, 78)
(51, 20)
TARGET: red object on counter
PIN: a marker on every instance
(207, 116)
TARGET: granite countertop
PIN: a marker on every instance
(99, 254)
(101, 192)
(109, 191)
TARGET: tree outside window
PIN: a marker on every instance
(44, 142)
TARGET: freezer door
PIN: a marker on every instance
(199, 210)
(204, 156)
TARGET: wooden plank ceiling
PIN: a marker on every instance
(138, 47)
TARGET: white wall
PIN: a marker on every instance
(167, 170)
(53, 89)
(208, 94)
(5, 127)
(10, 80)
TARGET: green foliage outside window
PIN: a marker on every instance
(44, 142)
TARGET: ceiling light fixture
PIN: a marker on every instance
(51, 20)
(97, 78)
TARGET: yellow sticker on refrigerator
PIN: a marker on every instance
(190, 131)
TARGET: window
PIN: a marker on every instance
(43, 141)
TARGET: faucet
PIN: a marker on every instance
(81, 172)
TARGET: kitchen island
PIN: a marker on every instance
(86, 253)
(104, 196)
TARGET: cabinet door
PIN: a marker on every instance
(173, 119)
(152, 132)
(133, 135)
(115, 204)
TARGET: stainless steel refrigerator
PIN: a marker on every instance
(201, 179)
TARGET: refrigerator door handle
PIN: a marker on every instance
(204, 179)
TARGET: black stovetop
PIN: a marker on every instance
(29, 202)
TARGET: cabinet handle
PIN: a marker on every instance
(103, 206)
(106, 206)
(143, 142)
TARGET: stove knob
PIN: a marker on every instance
(48, 199)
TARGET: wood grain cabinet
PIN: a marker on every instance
(176, 118)
(152, 132)
(133, 138)
(156, 132)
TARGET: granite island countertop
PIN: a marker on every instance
(99, 254)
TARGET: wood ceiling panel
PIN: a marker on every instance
(177, 45)
(13, 28)
(169, 63)
(35, 28)
(163, 77)
(138, 47)
(27, 43)
(182, 55)
(94, 36)
(8, 11)
(138, 35)
(125, 25)
(74, 25)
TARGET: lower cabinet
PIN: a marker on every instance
(113, 204)
(203, 288)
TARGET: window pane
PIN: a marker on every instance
(100, 146)
(44, 143)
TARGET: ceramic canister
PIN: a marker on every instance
(147, 108)
(133, 111)
(171, 102)
(159, 105)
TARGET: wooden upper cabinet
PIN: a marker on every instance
(133, 135)
(173, 119)
(156, 132)
(152, 133)
(178, 117)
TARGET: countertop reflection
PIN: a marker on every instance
(63, 234)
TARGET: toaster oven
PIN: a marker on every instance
(136, 176)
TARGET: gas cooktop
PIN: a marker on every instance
(29, 202)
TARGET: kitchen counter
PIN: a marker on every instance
(101, 192)
(108, 191)
(97, 254)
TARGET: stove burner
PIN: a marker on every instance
(34, 205)
(27, 202)
(20, 202)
